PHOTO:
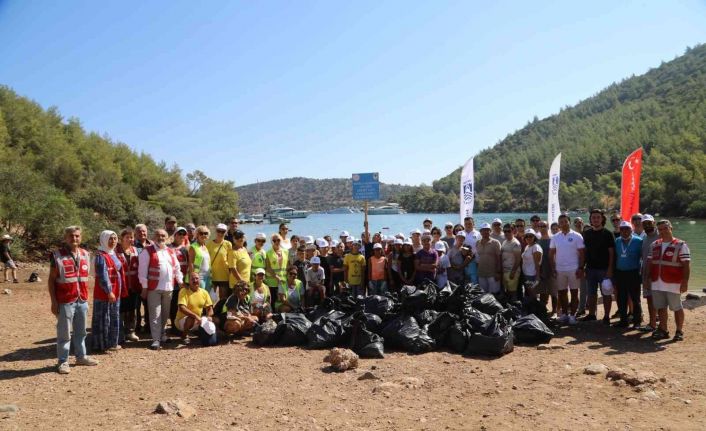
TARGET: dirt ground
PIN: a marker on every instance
(240, 386)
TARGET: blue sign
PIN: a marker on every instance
(366, 187)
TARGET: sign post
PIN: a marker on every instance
(366, 187)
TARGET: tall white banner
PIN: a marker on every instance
(467, 190)
(553, 208)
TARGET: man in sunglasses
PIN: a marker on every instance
(615, 221)
(233, 224)
(449, 238)
(257, 254)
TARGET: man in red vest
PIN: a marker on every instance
(68, 290)
(669, 278)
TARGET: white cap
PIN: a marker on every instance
(260, 271)
(626, 224)
(377, 245)
(343, 233)
(350, 238)
(426, 232)
(484, 226)
(334, 242)
(407, 241)
(260, 235)
(532, 232)
(221, 226)
(179, 229)
(398, 241)
(440, 246)
(461, 233)
(308, 239)
(415, 231)
(315, 260)
(6, 236)
(647, 217)
(497, 220)
(320, 242)
(400, 235)
(448, 224)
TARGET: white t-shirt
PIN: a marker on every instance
(567, 247)
(472, 238)
(507, 251)
(528, 268)
(315, 277)
(684, 254)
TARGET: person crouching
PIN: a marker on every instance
(235, 318)
(193, 301)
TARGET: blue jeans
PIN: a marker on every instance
(377, 287)
(471, 272)
(71, 316)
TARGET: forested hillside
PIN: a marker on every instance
(306, 194)
(53, 174)
(664, 111)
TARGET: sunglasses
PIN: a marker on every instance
(507, 231)
(259, 275)
(615, 219)
(205, 233)
(276, 240)
(221, 231)
(259, 240)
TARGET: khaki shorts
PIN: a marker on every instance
(567, 280)
(662, 299)
(181, 322)
(511, 284)
(547, 287)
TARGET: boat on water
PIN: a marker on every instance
(278, 220)
(343, 210)
(390, 208)
(284, 212)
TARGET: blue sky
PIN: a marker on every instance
(258, 90)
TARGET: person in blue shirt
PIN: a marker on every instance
(628, 260)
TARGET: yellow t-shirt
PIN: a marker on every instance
(219, 263)
(240, 260)
(356, 268)
(194, 301)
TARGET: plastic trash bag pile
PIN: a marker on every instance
(421, 319)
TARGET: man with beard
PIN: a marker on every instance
(600, 258)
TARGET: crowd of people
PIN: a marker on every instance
(212, 285)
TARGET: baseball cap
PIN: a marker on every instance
(259, 271)
(426, 232)
(179, 229)
(407, 242)
(626, 224)
(532, 232)
(461, 233)
(344, 233)
(320, 242)
(335, 242)
(427, 220)
(315, 260)
(190, 226)
(377, 245)
(350, 238)
(398, 241)
(439, 246)
(260, 235)
(647, 217)
(484, 226)
(221, 226)
(170, 218)
(400, 235)
(448, 224)
(497, 220)
(416, 231)
(308, 239)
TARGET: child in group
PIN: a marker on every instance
(353, 268)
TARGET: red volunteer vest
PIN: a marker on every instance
(182, 255)
(72, 282)
(130, 261)
(153, 268)
(114, 275)
(667, 266)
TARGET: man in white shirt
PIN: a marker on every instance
(471, 241)
(566, 251)
(159, 274)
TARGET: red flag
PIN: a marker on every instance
(630, 187)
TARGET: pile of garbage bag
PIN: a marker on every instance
(418, 319)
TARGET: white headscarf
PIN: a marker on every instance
(103, 239)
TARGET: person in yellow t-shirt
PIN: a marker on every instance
(218, 250)
(354, 270)
(239, 261)
(192, 302)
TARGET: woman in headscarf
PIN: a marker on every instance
(107, 291)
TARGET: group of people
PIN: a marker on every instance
(208, 285)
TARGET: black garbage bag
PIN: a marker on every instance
(371, 321)
(425, 317)
(423, 343)
(496, 340)
(458, 337)
(487, 304)
(429, 286)
(439, 328)
(512, 313)
(376, 304)
(292, 329)
(264, 335)
(462, 296)
(476, 319)
(367, 344)
(413, 299)
(531, 330)
(343, 303)
(325, 332)
(400, 332)
(443, 295)
(536, 307)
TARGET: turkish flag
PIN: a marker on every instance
(630, 185)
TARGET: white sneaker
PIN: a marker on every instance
(87, 361)
(132, 337)
(572, 320)
(563, 318)
(155, 345)
(63, 368)
(115, 348)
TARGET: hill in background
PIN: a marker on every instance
(306, 194)
(664, 111)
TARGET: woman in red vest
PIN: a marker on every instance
(130, 300)
(108, 288)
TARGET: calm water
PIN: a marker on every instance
(319, 225)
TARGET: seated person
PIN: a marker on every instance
(290, 295)
(260, 297)
(315, 282)
(192, 302)
(235, 317)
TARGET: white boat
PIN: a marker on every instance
(285, 212)
(343, 210)
(390, 208)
